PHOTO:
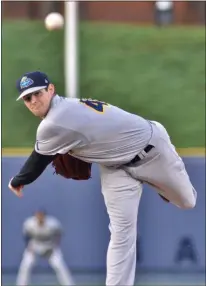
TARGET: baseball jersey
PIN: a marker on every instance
(42, 237)
(93, 131)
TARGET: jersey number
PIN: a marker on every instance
(94, 104)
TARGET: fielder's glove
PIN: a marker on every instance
(71, 168)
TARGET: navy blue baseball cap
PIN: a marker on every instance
(31, 82)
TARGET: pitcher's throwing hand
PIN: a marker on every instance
(16, 190)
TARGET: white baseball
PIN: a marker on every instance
(54, 21)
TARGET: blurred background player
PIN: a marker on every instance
(42, 234)
(164, 12)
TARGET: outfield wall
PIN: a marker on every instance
(169, 238)
(140, 12)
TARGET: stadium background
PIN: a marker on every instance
(126, 59)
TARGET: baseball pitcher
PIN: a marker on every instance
(42, 235)
(130, 150)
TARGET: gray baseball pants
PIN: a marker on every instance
(162, 168)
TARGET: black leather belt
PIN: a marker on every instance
(137, 157)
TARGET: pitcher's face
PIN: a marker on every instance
(39, 101)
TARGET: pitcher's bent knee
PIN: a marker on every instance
(190, 202)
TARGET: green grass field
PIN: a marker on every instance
(157, 73)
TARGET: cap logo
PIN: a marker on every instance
(25, 82)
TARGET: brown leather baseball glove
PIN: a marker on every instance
(71, 168)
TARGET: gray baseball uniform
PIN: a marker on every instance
(110, 136)
(101, 133)
(42, 237)
(43, 243)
